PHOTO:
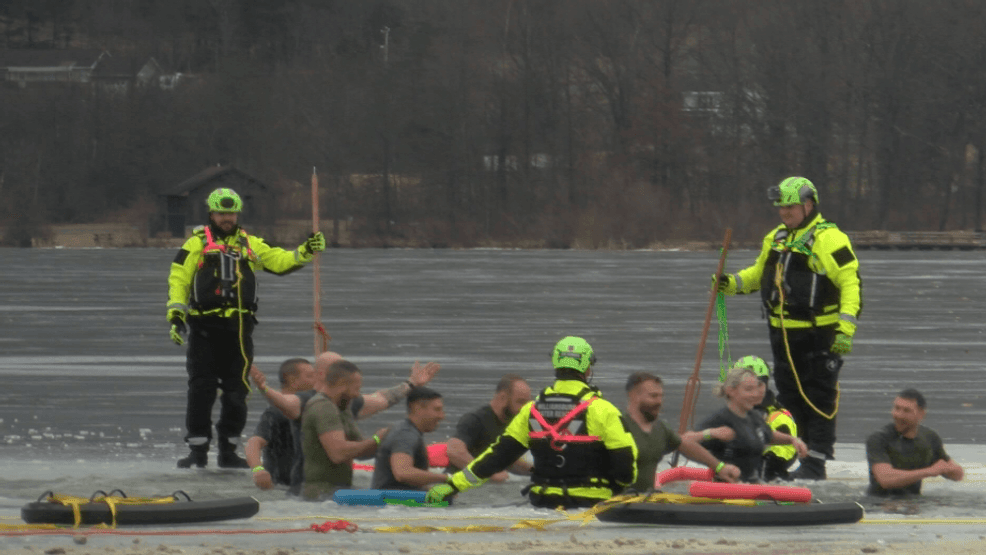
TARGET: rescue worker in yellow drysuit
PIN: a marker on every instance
(212, 295)
(583, 453)
(808, 278)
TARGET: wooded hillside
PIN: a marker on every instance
(610, 122)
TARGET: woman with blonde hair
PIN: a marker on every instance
(737, 433)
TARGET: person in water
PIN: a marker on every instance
(738, 432)
(270, 450)
(402, 458)
(654, 438)
(776, 458)
(477, 429)
(903, 453)
(292, 404)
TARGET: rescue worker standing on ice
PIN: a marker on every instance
(808, 278)
(583, 453)
(212, 295)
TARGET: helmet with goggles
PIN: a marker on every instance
(792, 191)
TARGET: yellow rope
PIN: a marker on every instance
(112, 500)
(239, 315)
(778, 273)
(584, 517)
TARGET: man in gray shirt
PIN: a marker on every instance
(402, 458)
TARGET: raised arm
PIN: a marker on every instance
(289, 404)
(377, 401)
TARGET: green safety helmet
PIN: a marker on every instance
(791, 191)
(573, 352)
(224, 200)
(754, 363)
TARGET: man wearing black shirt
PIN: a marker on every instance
(476, 430)
(270, 452)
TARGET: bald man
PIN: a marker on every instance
(292, 405)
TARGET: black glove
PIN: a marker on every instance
(727, 283)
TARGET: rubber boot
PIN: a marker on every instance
(228, 457)
(812, 468)
(198, 456)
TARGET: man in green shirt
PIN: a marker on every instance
(654, 438)
(331, 439)
(903, 453)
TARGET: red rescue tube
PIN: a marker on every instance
(680, 473)
(438, 455)
(720, 490)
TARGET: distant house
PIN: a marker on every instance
(184, 205)
(28, 66)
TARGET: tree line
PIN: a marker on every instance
(552, 122)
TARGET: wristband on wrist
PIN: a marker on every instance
(409, 384)
(376, 438)
(707, 434)
(720, 466)
(258, 468)
(265, 389)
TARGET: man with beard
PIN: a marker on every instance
(291, 405)
(654, 438)
(902, 454)
(330, 438)
(478, 429)
(213, 288)
(808, 278)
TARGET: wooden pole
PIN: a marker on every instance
(321, 336)
(694, 384)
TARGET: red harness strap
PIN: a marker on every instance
(559, 432)
(210, 245)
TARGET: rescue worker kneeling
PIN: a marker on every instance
(582, 452)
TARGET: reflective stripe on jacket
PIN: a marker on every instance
(777, 419)
(821, 276)
(203, 295)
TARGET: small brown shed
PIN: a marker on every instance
(184, 206)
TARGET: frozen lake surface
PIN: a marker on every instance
(94, 391)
